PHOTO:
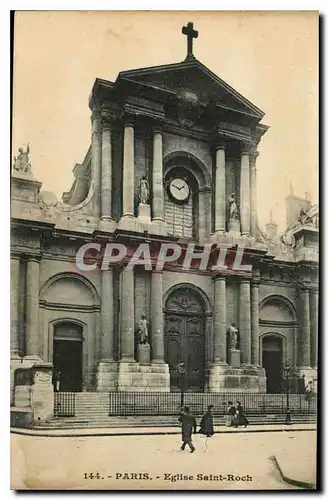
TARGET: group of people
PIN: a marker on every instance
(235, 417)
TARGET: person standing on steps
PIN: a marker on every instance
(207, 423)
(230, 414)
(188, 424)
(240, 417)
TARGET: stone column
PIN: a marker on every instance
(128, 169)
(106, 180)
(220, 326)
(314, 298)
(32, 306)
(107, 315)
(127, 316)
(255, 323)
(245, 192)
(157, 178)
(14, 305)
(253, 194)
(220, 196)
(245, 322)
(96, 157)
(304, 338)
(157, 318)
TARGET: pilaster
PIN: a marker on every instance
(245, 190)
(32, 306)
(245, 321)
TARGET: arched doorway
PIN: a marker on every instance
(185, 337)
(272, 361)
(67, 356)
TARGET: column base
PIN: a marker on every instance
(107, 376)
(247, 378)
(136, 377)
(129, 222)
(107, 224)
(15, 363)
(158, 227)
(33, 358)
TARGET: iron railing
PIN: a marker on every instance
(169, 403)
(64, 404)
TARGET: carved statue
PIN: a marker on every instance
(233, 207)
(303, 217)
(143, 334)
(21, 162)
(232, 336)
(143, 191)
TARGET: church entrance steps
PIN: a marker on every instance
(96, 409)
(135, 422)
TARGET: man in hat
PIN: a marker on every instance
(188, 423)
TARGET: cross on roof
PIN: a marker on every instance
(190, 33)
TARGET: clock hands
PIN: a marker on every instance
(179, 188)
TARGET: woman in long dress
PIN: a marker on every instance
(230, 414)
(240, 417)
(207, 423)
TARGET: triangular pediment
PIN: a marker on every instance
(192, 75)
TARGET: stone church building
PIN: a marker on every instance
(172, 159)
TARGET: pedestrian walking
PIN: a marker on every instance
(230, 414)
(57, 380)
(188, 423)
(240, 417)
(207, 423)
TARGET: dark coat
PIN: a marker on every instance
(188, 425)
(240, 417)
(231, 410)
(207, 424)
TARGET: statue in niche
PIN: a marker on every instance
(233, 333)
(21, 162)
(233, 207)
(143, 191)
(143, 335)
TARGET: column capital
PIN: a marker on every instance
(220, 144)
(244, 279)
(107, 124)
(245, 148)
(32, 257)
(129, 119)
(157, 126)
(157, 271)
(15, 255)
(95, 115)
(219, 278)
(255, 278)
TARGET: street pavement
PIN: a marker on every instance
(230, 461)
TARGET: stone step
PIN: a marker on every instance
(112, 422)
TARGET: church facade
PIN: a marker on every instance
(172, 163)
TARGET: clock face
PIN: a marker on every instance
(179, 189)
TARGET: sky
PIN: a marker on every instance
(271, 58)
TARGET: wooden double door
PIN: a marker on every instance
(184, 340)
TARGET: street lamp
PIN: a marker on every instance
(182, 372)
(287, 372)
